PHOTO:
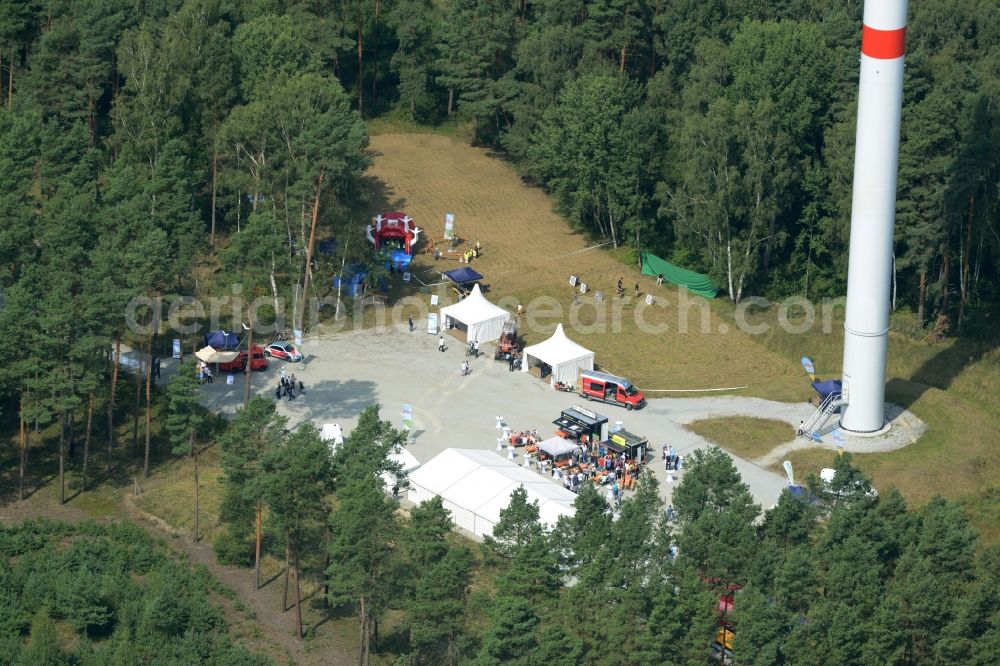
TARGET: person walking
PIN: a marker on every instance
(156, 367)
(441, 343)
(410, 320)
(659, 278)
(475, 348)
(282, 373)
(637, 290)
(510, 362)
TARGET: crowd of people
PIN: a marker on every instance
(589, 462)
(473, 252)
(524, 438)
(288, 386)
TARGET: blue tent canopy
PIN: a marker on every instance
(462, 275)
(828, 386)
(222, 340)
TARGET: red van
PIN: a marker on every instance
(239, 363)
(609, 388)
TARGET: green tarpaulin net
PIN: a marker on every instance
(695, 282)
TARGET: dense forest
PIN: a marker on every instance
(836, 575)
(718, 133)
(164, 148)
(105, 594)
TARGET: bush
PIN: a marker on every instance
(234, 550)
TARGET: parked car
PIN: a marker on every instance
(239, 364)
(283, 350)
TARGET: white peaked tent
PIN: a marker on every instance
(557, 446)
(476, 485)
(483, 320)
(566, 358)
(333, 433)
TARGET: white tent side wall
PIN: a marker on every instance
(461, 516)
(484, 526)
(419, 493)
(569, 372)
(488, 330)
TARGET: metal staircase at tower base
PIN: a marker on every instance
(814, 427)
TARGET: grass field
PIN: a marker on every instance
(529, 255)
(744, 436)
(173, 500)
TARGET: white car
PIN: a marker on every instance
(283, 350)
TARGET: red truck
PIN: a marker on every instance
(239, 363)
(611, 389)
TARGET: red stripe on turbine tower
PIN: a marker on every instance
(883, 44)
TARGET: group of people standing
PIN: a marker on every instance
(670, 457)
(288, 386)
(471, 253)
(621, 288)
(205, 373)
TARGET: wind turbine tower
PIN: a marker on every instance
(873, 208)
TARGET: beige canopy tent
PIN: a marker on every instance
(212, 355)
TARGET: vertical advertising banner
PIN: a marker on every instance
(175, 351)
(408, 417)
(449, 226)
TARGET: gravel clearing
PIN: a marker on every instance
(345, 372)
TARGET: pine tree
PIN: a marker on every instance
(436, 613)
(296, 480)
(425, 536)
(248, 440)
(364, 565)
(184, 417)
(517, 526)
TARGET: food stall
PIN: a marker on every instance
(633, 446)
(558, 450)
(577, 421)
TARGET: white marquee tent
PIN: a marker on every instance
(475, 486)
(483, 320)
(566, 357)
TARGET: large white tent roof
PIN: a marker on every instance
(476, 486)
(484, 320)
(566, 357)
